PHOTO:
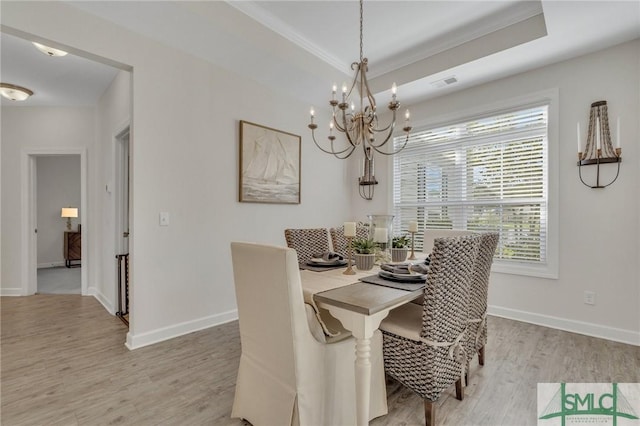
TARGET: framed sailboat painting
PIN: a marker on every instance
(269, 165)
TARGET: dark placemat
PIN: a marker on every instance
(320, 268)
(375, 279)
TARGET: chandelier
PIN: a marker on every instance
(361, 127)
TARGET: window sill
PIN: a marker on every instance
(525, 269)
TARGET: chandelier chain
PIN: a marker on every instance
(361, 43)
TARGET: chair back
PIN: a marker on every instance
(339, 241)
(480, 289)
(275, 338)
(285, 376)
(270, 303)
(307, 242)
(446, 297)
(431, 234)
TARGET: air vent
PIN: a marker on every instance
(444, 82)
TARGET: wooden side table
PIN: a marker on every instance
(72, 248)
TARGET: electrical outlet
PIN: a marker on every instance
(589, 297)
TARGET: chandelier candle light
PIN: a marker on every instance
(360, 127)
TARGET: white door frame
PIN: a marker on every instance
(29, 217)
(119, 174)
(121, 184)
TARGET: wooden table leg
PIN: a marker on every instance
(362, 327)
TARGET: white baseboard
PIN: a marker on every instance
(14, 291)
(589, 329)
(51, 265)
(166, 333)
(93, 291)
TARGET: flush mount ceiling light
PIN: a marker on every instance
(49, 51)
(14, 93)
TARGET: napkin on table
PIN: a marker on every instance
(396, 268)
(327, 256)
(406, 268)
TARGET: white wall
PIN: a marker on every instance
(599, 229)
(185, 155)
(28, 129)
(58, 186)
(113, 116)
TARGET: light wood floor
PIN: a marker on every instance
(63, 362)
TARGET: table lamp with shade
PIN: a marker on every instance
(69, 212)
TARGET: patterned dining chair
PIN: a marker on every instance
(339, 241)
(307, 242)
(430, 235)
(477, 329)
(424, 346)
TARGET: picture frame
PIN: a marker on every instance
(269, 165)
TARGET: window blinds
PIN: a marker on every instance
(486, 174)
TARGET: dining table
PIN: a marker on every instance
(360, 307)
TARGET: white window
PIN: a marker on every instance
(488, 173)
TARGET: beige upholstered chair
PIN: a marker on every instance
(424, 345)
(307, 242)
(339, 241)
(286, 377)
(477, 329)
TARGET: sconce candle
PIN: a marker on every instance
(598, 134)
(618, 133)
(579, 144)
(413, 226)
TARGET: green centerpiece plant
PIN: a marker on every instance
(399, 248)
(365, 250)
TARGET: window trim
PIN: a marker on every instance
(548, 269)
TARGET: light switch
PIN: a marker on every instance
(164, 218)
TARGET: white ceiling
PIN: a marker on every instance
(56, 81)
(415, 43)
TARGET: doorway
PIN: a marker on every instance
(29, 171)
(59, 219)
(122, 197)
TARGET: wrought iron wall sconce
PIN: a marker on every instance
(599, 149)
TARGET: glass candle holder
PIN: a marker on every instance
(381, 232)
